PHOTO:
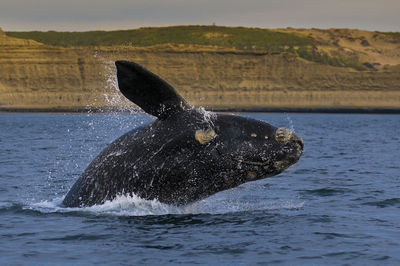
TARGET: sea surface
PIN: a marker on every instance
(339, 205)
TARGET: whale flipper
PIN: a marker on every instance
(148, 91)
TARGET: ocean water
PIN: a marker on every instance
(339, 205)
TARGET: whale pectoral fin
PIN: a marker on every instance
(148, 91)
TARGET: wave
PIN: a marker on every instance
(136, 206)
(385, 203)
(327, 192)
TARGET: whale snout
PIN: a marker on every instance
(292, 147)
(297, 143)
(286, 137)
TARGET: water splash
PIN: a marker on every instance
(136, 206)
(120, 206)
(290, 122)
(208, 116)
(112, 97)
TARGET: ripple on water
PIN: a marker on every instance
(74, 237)
(345, 255)
(384, 203)
(326, 192)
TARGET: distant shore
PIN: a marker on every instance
(234, 110)
(222, 69)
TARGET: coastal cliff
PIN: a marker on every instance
(36, 76)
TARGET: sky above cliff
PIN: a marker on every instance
(79, 15)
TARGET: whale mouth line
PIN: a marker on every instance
(291, 158)
(248, 162)
(239, 160)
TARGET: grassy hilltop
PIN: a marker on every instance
(236, 38)
(252, 39)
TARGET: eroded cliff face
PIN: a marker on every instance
(34, 76)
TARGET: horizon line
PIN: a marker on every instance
(199, 25)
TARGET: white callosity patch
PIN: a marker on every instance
(204, 136)
(283, 135)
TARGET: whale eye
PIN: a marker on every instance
(204, 136)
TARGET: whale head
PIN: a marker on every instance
(254, 148)
(243, 149)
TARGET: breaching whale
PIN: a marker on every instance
(186, 154)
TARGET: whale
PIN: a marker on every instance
(186, 154)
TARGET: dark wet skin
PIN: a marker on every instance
(185, 155)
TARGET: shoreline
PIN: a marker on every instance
(238, 110)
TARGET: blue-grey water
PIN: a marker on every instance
(340, 204)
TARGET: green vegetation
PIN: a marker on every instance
(240, 38)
